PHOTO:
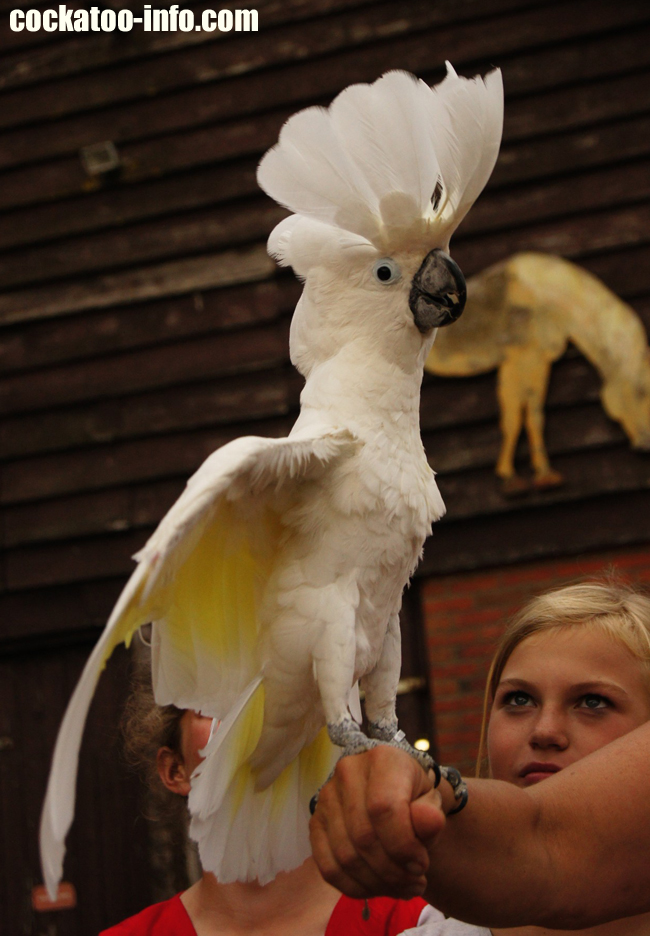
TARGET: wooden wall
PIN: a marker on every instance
(142, 323)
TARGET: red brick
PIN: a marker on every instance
(449, 604)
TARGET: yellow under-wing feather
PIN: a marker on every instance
(206, 647)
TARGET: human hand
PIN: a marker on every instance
(373, 823)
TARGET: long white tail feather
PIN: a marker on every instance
(58, 808)
(213, 776)
(244, 833)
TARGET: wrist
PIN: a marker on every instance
(455, 785)
(448, 800)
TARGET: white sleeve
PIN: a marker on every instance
(433, 923)
(429, 915)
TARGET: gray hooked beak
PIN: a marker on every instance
(438, 292)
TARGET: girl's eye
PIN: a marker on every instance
(594, 702)
(386, 271)
(517, 698)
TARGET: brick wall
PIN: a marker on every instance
(465, 615)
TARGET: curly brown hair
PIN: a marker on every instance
(146, 727)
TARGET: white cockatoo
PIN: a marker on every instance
(274, 583)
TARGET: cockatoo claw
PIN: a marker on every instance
(390, 734)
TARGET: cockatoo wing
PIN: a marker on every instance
(200, 579)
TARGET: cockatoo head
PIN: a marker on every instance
(378, 182)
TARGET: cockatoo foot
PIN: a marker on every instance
(350, 737)
(390, 734)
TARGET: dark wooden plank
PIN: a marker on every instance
(594, 146)
(119, 205)
(206, 230)
(176, 277)
(447, 407)
(204, 357)
(27, 41)
(90, 513)
(12, 805)
(62, 177)
(451, 450)
(612, 53)
(545, 531)
(123, 462)
(29, 345)
(93, 558)
(151, 158)
(233, 399)
(624, 271)
(224, 56)
(589, 472)
(567, 108)
(73, 55)
(308, 81)
(61, 609)
(580, 192)
(575, 238)
(107, 848)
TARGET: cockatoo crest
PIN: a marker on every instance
(394, 164)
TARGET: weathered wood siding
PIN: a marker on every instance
(142, 324)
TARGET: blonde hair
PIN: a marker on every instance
(613, 607)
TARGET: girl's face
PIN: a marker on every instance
(195, 733)
(562, 695)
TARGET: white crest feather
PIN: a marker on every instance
(387, 158)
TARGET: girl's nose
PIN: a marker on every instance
(549, 731)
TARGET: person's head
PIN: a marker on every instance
(162, 741)
(571, 673)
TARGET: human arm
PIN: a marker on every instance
(570, 852)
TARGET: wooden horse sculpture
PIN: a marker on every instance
(519, 316)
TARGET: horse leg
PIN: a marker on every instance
(538, 371)
(511, 419)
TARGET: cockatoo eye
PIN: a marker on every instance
(386, 271)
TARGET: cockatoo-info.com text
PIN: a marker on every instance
(274, 583)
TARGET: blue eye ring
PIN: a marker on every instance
(386, 271)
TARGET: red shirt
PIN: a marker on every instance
(388, 917)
